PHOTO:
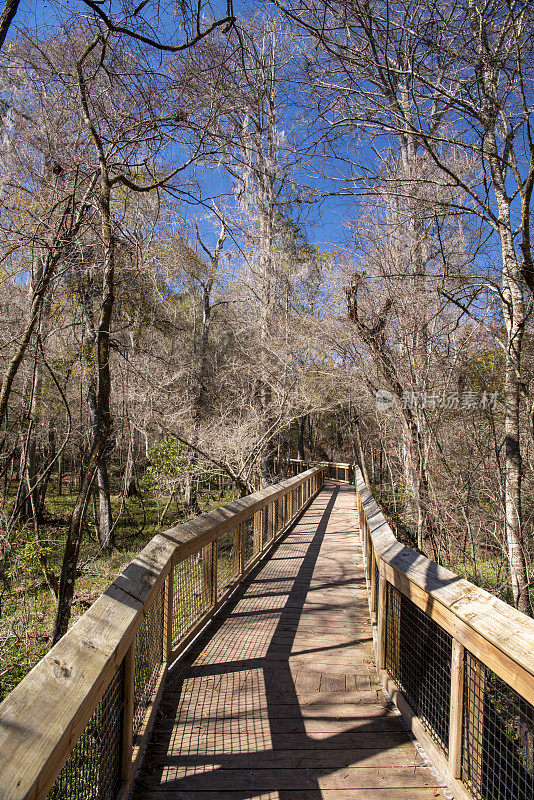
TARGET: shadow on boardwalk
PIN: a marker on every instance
(254, 710)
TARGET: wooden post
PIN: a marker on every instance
(271, 532)
(128, 712)
(382, 622)
(167, 615)
(456, 717)
(369, 554)
(372, 603)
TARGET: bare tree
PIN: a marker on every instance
(452, 80)
(118, 144)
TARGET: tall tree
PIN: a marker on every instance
(452, 80)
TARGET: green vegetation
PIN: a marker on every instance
(28, 606)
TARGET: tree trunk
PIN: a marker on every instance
(38, 293)
(105, 519)
(43, 485)
(512, 495)
(130, 486)
(60, 467)
(302, 426)
(359, 450)
(103, 420)
(72, 549)
(33, 498)
(514, 316)
(9, 11)
(191, 496)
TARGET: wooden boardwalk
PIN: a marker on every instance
(278, 700)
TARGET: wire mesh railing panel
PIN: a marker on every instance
(93, 769)
(187, 602)
(418, 658)
(226, 563)
(265, 526)
(249, 539)
(258, 531)
(276, 517)
(148, 659)
(498, 737)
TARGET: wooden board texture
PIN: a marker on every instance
(279, 699)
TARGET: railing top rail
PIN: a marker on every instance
(321, 463)
(49, 708)
(497, 633)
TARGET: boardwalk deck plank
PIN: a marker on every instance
(279, 699)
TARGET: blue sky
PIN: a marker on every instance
(324, 223)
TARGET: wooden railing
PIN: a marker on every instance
(338, 471)
(76, 725)
(457, 661)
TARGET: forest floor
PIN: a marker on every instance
(27, 606)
